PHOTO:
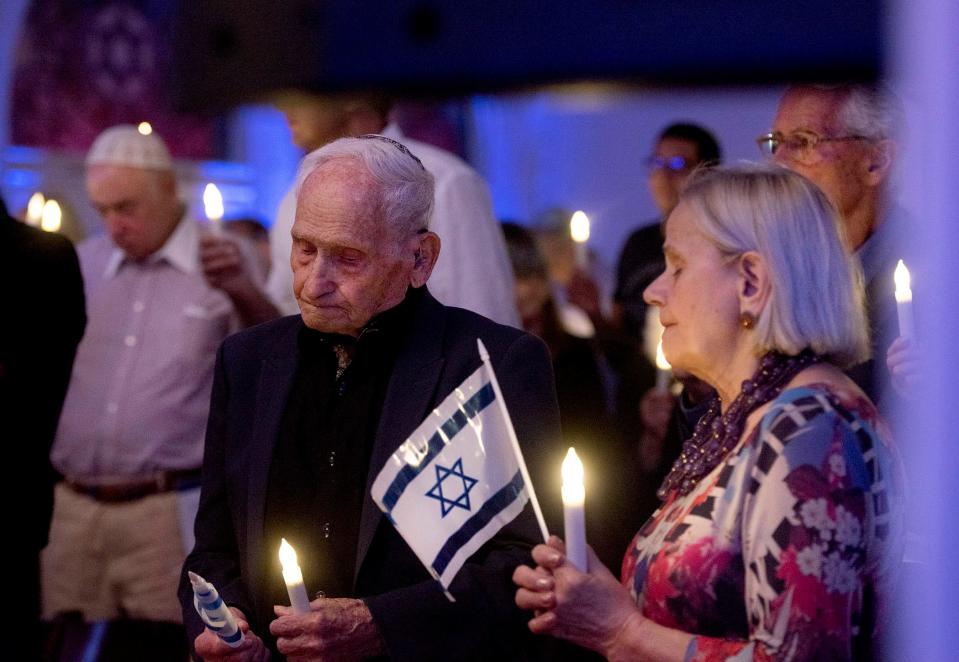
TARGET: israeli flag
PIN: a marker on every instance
(458, 478)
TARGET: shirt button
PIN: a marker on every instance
(112, 407)
(138, 306)
(130, 341)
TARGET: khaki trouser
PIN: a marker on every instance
(113, 560)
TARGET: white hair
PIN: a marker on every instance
(870, 110)
(404, 187)
(817, 297)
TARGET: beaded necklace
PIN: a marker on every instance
(717, 434)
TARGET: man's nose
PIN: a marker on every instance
(320, 278)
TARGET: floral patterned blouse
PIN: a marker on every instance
(782, 550)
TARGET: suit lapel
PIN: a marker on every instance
(276, 379)
(409, 396)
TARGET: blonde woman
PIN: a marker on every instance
(779, 520)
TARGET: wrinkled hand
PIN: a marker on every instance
(335, 629)
(591, 609)
(903, 359)
(583, 293)
(212, 649)
(224, 264)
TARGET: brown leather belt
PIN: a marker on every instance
(163, 481)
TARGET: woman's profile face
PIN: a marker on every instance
(697, 299)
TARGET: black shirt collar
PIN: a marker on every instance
(389, 325)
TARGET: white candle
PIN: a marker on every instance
(579, 230)
(214, 612)
(35, 209)
(293, 578)
(213, 206)
(574, 514)
(663, 369)
(907, 328)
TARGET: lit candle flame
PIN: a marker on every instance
(903, 281)
(213, 203)
(51, 217)
(35, 209)
(145, 128)
(661, 361)
(287, 555)
(293, 578)
(573, 489)
(579, 227)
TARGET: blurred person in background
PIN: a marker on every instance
(37, 345)
(256, 234)
(581, 392)
(554, 241)
(130, 440)
(645, 417)
(680, 148)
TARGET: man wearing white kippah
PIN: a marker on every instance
(130, 440)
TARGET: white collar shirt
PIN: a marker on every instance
(140, 389)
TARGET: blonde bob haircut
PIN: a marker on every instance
(817, 297)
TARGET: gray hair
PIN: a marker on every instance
(404, 187)
(817, 297)
(870, 110)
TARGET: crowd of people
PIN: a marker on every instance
(229, 388)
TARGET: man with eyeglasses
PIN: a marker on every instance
(679, 149)
(842, 137)
(307, 409)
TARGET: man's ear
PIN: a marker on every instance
(426, 252)
(879, 161)
(754, 283)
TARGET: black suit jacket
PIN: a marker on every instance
(44, 315)
(254, 373)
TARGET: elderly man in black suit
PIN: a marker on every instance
(307, 409)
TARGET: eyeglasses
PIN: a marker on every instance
(398, 145)
(800, 146)
(672, 164)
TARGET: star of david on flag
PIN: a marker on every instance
(458, 478)
(436, 492)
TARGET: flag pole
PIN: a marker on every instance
(484, 355)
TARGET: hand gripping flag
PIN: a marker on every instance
(459, 477)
